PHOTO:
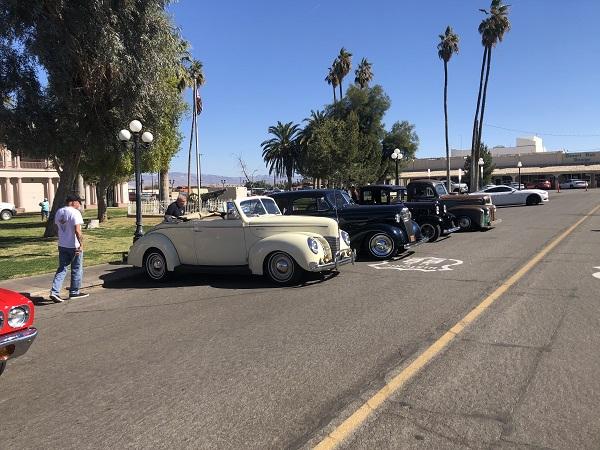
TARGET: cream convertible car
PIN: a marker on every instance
(252, 236)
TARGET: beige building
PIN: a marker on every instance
(537, 163)
(26, 182)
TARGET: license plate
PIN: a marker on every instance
(412, 238)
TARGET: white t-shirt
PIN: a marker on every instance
(66, 218)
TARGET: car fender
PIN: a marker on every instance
(153, 240)
(399, 235)
(294, 244)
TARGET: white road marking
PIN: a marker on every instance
(597, 274)
(424, 264)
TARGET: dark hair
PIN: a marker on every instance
(73, 198)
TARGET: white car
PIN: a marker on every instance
(574, 184)
(506, 195)
(7, 211)
(253, 236)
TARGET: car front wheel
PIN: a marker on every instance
(282, 269)
(431, 231)
(5, 215)
(155, 265)
(2, 366)
(380, 245)
(532, 200)
(464, 223)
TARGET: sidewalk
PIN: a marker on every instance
(39, 285)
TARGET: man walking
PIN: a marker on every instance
(45, 209)
(70, 249)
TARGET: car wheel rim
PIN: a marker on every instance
(281, 267)
(427, 230)
(381, 245)
(464, 222)
(155, 266)
(5, 216)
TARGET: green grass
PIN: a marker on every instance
(23, 250)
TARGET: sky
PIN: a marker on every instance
(266, 60)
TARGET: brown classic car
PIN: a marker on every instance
(471, 211)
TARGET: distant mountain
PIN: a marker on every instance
(180, 179)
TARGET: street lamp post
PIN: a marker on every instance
(481, 163)
(223, 182)
(428, 173)
(519, 165)
(397, 156)
(125, 137)
(460, 173)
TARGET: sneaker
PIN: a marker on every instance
(79, 295)
(56, 298)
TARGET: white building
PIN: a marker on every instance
(524, 145)
(26, 182)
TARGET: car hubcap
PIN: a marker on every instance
(155, 266)
(381, 245)
(464, 222)
(281, 267)
(427, 230)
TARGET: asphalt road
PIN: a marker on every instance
(230, 362)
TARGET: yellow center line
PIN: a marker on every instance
(337, 436)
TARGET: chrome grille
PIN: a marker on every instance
(334, 243)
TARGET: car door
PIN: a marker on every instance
(501, 195)
(220, 242)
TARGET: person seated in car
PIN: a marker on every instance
(177, 208)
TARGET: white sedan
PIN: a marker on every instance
(574, 184)
(506, 195)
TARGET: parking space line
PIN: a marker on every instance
(341, 432)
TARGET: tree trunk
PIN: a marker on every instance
(68, 175)
(189, 174)
(446, 124)
(164, 185)
(101, 188)
(334, 97)
(289, 177)
(474, 168)
(487, 75)
(341, 96)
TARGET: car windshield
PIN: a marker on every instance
(259, 207)
(339, 198)
(441, 189)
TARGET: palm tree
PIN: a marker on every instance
(281, 153)
(342, 66)
(492, 30)
(305, 137)
(193, 77)
(332, 79)
(446, 48)
(364, 74)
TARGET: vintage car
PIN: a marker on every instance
(252, 236)
(16, 331)
(539, 184)
(471, 211)
(432, 217)
(507, 195)
(379, 232)
(574, 183)
(7, 211)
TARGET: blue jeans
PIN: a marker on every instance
(68, 257)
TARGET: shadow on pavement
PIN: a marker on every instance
(130, 278)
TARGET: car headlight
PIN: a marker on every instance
(398, 217)
(18, 316)
(313, 244)
(345, 237)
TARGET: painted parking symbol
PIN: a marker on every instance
(596, 274)
(423, 264)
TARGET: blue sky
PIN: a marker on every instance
(266, 60)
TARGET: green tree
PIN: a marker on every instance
(488, 166)
(342, 66)
(447, 46)
(282, 152)
(364, 73)
(76, 72)
(492, 30)
(404, 137)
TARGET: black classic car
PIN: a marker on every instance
(379, 232)
(471, 211)
(431, 216)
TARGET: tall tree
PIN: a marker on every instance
(332, 80)
(77, 72)
(363, 74)
(492, 30)
(342, 66)
(447, 46)
(282, 152)
(403, 136)
(488, 165)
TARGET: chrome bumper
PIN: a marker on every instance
(339, 260)
(451, 230)
(17, 343)
(416, 243)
